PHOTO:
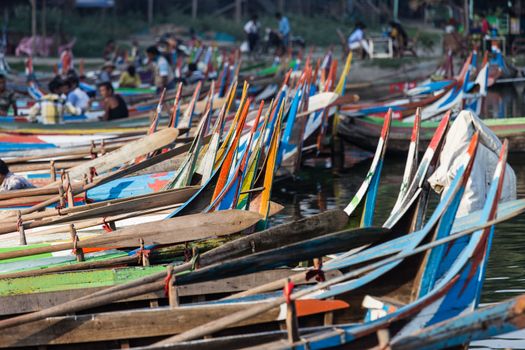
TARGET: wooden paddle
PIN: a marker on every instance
(171, 231)
(138, 203)
(115, 175)
(145, 323)
(126, 153)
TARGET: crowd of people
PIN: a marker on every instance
(63, 98)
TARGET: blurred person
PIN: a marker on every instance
(357, 40)
(7, 98)
(130, 78)
(283, 29)
(10, 181)
(453, 43)
(109, 50)
(251, 29)
(194, 74)
(106, 72)
(162, 74)
(485, 25)
(399, 37)
(114, 105)
(76, 96)
(66, 61)
(52, 107)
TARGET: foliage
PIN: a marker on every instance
(94, 27)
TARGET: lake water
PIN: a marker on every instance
(316, 190)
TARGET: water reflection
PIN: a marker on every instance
(504, 101)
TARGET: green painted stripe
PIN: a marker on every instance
(24, 258)
(74, 280)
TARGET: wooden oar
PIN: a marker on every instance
(113, 176)
(145, 323)
(48, 154)
(172, 231)
(150, 201)
(126, 153)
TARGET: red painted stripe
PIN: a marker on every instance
(417, 125)
(386, 124)
(440, 131)
(20, 139)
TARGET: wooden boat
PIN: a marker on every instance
(503, 317)
(457, 288)
(445, 205)
(364, 132)
(430, 105)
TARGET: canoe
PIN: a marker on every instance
(504, 317)
(455, 289)
(384, 280)
(364, 132)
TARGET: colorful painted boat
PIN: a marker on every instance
(364, 132)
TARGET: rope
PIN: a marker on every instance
(316, 272)
(105, 225)
(75, 242)
(143, 253)
(19, 223)
(195, 261)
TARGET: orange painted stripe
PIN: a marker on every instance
(307, 307)
(226, 165)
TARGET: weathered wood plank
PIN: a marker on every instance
(141, 323)
(187, 228)
(22, 303)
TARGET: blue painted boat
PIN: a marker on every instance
(480, 324)
(450, 284)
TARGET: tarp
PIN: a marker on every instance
(456, 144)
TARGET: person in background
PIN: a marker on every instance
(66, 61)
(52, 106)
(453, 43)
(106, 72)
(172, 49)
(109, 50)
(357, 39)
(130, 78)
(162, 74)
(136, 56)
(251, 29)
(284, 29)
(114, 105)
(194, 74)
(10, 181)
(399, 37)
(485, 25)
(7, 98)
(76, 96)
